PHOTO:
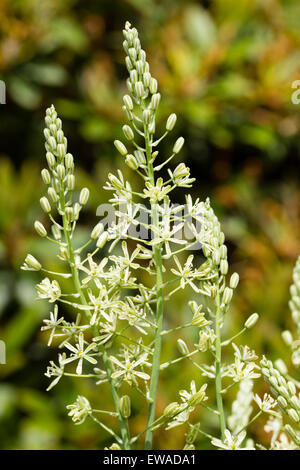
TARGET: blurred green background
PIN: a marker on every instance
(226, 68)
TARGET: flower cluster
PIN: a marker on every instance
(121, 285)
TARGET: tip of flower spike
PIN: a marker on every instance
(127, 25)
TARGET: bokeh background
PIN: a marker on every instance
(226, 69)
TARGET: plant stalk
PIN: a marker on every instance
(159, 308)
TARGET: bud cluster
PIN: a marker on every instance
(285, 390)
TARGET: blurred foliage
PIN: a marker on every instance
(226, 69)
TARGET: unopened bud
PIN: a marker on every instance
(61, 150)
(70, 182)
(69, 214)
(178, 145)
(131, 161)
(153, 86)
(40, 229)
(50, 159)
(287, 337)
(171, 122)
(102, 240)
(69, 161)
(128, 102)
(45, 205)
(224, 267)
(61, 172)
(250, 322)
(155, 101)
(120, 147)
(52, 194)
(182, 346)
(172, 409)
(46, 176)
(97, 230)
(139, 89)
(128, 132)
(125, 406)
(234, 280)
(84, 196)
(227, 295)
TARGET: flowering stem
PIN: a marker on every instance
(218, 379)
(123, 423)
(159, 307)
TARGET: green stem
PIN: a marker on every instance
(123, 423)
(159, 308)
(218, 368)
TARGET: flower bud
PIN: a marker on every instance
(33, 263)
(61, 172)
(153, 85)
(47, 134)
(178, 145)
(52, 194)
(133, 76)
(287, 337)
(128, 63)
(56, 232)
(251, 320)
(132, 53)
(140, 66)
(224, 267)
(52, 143)
(128, 132)
(223, 251)
(46, 176)
(76, 211)
(45, 205)
(69, 214)
(50, 159)
(102, 240)
(282, 401)
(227, 295)
(120, 147)
(291, 387)
(182, 346)
(61, 150)
(53, 129)
(281, 366)
(171, 122)
(40, 229)
(234, 280)
(294, 415)
(216, 257)
(172, 409)
(60, 136)
(147, 116)
(140, 157)
(70, 182)
(97, 230)
(128, 102)
(125, 406)
(139, 89)
(146, 79)
(192, 435)
(131, 161)
(84, 196)
(155, 101)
